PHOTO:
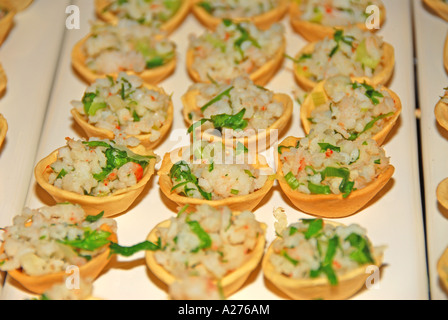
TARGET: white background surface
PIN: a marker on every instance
(431, 32)
(393, 218)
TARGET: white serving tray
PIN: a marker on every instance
(29, 56)
(394, 218)
(430, 35)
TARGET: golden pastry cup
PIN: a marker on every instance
(319, 288)
(17, 5)
(7, 21)
(387, 60)
(40, 284)
(442, 193)
(235, 203)
(261, 76)
(3, 80)
(112, 204)
(229, 283)
(3, 129)
(262, 139)
(442, 268)
(308, 106)
(441, 113)
(439, 7)
(145, 139)
(150, 76)
(168, 27)
(330, 206)
(262, 21)
(312, 31)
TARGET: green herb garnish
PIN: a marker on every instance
(326, 265)
(115, 248)
(92, 219)
(249, 174)
(362, 253)
(181, 172)
(206, 6)
(91, 241)
(205, 241)
(217, 98)
(325, 146)
(318, 189)
(135, 116)
(302, 58)
(220, 121)
(368, 126)
(292, 181)
(245, 36)
(61, 174)
(338, 37)
(314, 227)
(116, 158)
(288, 257)
(345, 186)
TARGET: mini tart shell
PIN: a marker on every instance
(312, 31)
(3, 129)
(387, 60)
(441, 113)
(262, 21)
(230, 283)
(308, 106)
(17, 5)
(319, 288)
(169, 26)
(330, 206)
(438, 7)
(236, 203)
(3, 80)
(93, 131)
(150, 76)
(190, 105)
(261, 76)
(112, 204)
(40, 284)
(6, 22)
(442, 193)
(442, 268)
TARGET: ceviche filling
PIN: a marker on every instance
(238, 8)
(352, 52)
(234, 49)
(63, 292)
(195, 287)
(97, 168)
(334, 13)
(313, 248)
(325, 162)
(219, 176)
(207, 243)
(126, 105)
(147, 12)
(127, 46)
(242, 105)
(353, 109)
(49, 239)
